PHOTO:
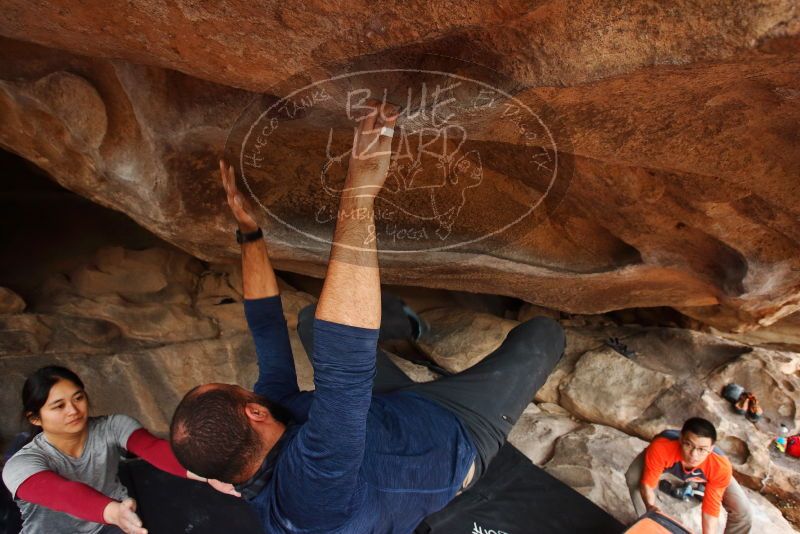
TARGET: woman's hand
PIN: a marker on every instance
(240, 206)
(223, 487)
(123, 515)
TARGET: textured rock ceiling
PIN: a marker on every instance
(680, 151)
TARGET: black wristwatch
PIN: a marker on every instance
(249, 236)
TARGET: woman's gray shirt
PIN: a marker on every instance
(96, 467)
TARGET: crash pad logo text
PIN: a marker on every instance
(476, 529)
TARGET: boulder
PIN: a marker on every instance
(417, 373)
(677, 374)
(610, 389)
(580, 339)
(150, 322)
(128, 272)
(23, 334)
(536, 432)
(10, 302)
(593, 460)
(529, 311)
(219, 300)
(148, 383)
(689, 357)
(773, 377)
(676, 152)
(34, 333)
(766, 517)
(458, 338)
(140, 328)
(783, 334)
(101, 319)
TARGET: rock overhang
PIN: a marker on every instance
(683, 170)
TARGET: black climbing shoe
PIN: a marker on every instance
(398, 321)
(620, 347)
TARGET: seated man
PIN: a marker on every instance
(690, 456)
(368, 450)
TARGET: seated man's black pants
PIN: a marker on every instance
(490, 396)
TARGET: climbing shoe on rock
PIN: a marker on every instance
(742, 404)
(620, 347)
(398, 321)
(754, 410)
(418, 326)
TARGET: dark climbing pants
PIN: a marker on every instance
(490, 396)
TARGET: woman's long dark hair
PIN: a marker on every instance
(37, 389)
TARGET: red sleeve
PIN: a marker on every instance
(155, 451)
(656, 459)
(53, 491)
(718, 481)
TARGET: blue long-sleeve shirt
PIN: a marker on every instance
(355, 462)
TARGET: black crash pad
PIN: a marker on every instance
(514, 497)
(172, 505)
(517, 497)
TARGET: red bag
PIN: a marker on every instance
(657, 523)
(793, 446)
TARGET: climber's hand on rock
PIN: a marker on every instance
(240, 207)
(369, 159)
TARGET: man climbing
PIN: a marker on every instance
(368, 450)
(690, 457)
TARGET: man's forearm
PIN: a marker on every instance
(258, 277)
(648, 496)
(710, 524)
(351, 293)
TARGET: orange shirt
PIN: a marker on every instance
(664, 454)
